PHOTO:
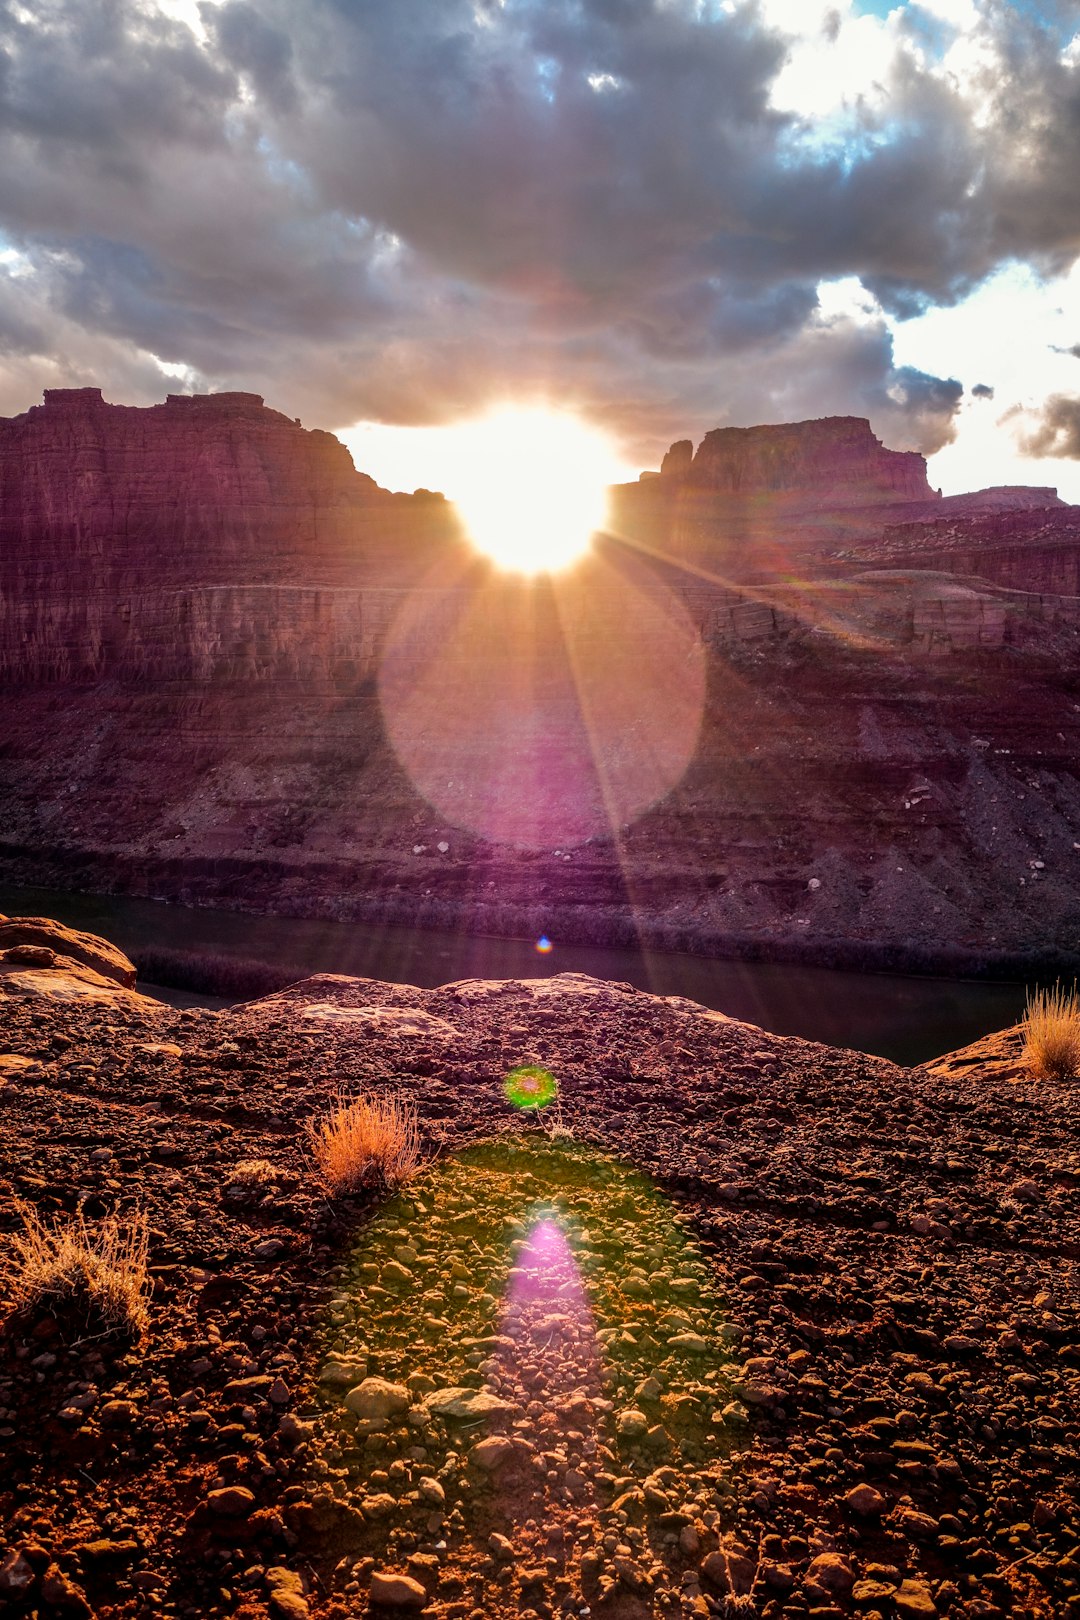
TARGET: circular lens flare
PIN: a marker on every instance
(541, 713)
(543, 946)
(529, 1086)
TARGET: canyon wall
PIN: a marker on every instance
(1034, 549)
(196, 602)
(216, 479)
(837, 458)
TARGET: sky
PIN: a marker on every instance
(388, 216)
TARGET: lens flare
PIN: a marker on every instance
(543, 946)
(544, 713)
(529, 1086)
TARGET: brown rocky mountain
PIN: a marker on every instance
(794, 702)
(838, 457)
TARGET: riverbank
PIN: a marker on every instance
(233, 955)
(260, 889)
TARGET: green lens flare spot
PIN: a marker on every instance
(529, 1086)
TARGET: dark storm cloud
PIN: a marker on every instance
(982, 391)
(1058, 429)
(402, 210)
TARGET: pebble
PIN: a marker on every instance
(231, 1501)
(285, 1594)
(397, 1591)
(377, 1398)
(866, 1501)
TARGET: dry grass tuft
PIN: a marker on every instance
(95, 1272)
(253, 1173)
(1051, 1031)
(366, 1142)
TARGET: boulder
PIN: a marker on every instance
(41, 942)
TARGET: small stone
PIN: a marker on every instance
(777, 1577)
(16, 1575)
(866, 1592)
(500, 1546)
(293, 1429)
(286, 1594)
(431, 1491)
(692, 1344)
(631, 1424)
(830, 1572)
(377, 1398)
(914, 1602)
(714, 1567)
(492, 1453)
(397, 1591)
(344, 1374)
(866, 1501)
(118, 1414)
(60, 1592)
(466, 1403)
(268, 1249)
(380, 1505)
(231, 1501)
(919, 1525)
(105, 1550)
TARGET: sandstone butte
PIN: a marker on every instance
(196, 605)
(756, 1327)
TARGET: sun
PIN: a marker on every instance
(531, 485)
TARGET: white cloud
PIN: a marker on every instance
(1013, 335)
(846, 299)
(835, 58)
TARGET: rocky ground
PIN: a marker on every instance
(738, 1325)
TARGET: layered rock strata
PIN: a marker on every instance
(195, 606)
(837, 458)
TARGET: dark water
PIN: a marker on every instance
(906, 1019)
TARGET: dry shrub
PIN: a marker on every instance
(1051, 1030)
(94, 1273)
(366, 1142)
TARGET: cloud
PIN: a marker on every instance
(982, 391)
(401, 212)
(1058, 430)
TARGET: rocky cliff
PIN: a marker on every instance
(205, 537)
(201, 477)
(236, 671)
(1031, 549)
(838, 458)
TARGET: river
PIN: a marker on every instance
(903, 1018)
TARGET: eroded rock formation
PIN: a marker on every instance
(195, 606)
(837, 458)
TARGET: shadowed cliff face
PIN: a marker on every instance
(1032, 550)
(839, 457)
(216, 475)
(236, 671)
